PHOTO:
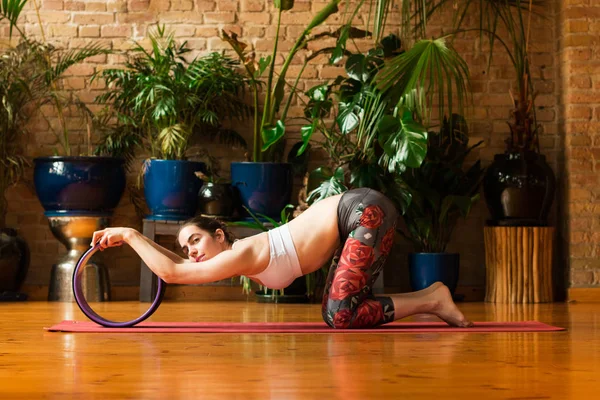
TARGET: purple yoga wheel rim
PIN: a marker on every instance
(91, 314)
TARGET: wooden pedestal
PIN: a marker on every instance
(518, 264)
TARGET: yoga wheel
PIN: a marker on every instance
(91, 314)
(518, 264)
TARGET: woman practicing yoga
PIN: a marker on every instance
(356, 228)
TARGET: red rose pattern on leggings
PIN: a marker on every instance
(347, 300)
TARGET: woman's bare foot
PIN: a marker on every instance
(445, 308)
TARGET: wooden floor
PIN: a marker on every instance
(38, 364)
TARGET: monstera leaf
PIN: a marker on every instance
(404, 142)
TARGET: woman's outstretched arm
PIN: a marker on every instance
(224, 265)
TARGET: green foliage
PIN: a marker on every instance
(441, 189)
(270, 128)
(14, 96)
(363, 131)
(164, 100)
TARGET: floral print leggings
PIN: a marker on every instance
(367, 223)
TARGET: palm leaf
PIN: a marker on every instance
(428, 69)
(11, 10)
(75, 56)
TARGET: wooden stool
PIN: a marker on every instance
(518, 264)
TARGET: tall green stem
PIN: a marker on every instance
(267, 118)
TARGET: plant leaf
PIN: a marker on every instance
(272, 134)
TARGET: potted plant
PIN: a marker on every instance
(441, 192)
(264, 182)
(165, 101)
(519, 185)
(66, 183)
(14, 252)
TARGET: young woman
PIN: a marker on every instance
(356, 228)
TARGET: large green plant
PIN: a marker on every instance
(508, 23)
(269, 129)
(45, 79)
(30, 77)
(441, 189)
(369, 140)
(14, 97)
(161, 100)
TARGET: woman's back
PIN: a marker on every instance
(315, 234)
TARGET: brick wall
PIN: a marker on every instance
(578, 24)
(115, 23)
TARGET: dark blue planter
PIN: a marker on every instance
(264, 188)
(428, 268)
(171, 188)
(68, 186)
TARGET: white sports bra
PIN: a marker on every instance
(284, 266)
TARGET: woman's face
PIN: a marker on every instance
(198, 244)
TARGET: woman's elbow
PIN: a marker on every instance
(170, 275)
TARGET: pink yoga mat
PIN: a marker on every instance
(298, 327)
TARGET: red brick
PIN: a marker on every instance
(95, 7)
(184, 30)
(584, 180)
(581, 82)
(299, 18)
(52, 5)
(206, 31)
(219, 17)
(50, 17)
(138, 5)
(581, 40)
(267, 45)
(74, 5)
(580, 277)
(578, 112)
(580, 223)
(331, 72)
(261, 18)
(578, 195)
(582, 12)
(252, 5)
(253, 31)
(496, 100)
(182, 5)
(227, 5)
(135, 18)
(80, 70)
(74, 83)
(205, 5)
(116, 31)
(89, 31)
(582, 98)
(577, 54)
(586, 166)
(180, 16)
(579, 141)
(574, 26)
(62, 30)
(93, 19)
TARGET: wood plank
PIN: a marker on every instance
(40, 365)
(584, 295)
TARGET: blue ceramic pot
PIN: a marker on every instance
(428, 268)
(171, 188)
(68, 186)
(264, 188)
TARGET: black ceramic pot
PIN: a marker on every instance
(519, 189)
(217, 199)
(14, 260)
